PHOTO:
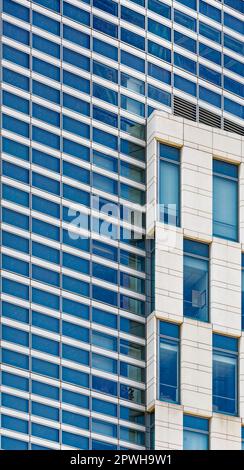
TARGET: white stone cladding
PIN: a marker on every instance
(199, 144)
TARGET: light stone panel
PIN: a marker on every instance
(225, 286)
(196, 367)
(168, 426)
(168, 273)
(225, 432)
(196, 193)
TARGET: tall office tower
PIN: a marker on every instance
(122, 224)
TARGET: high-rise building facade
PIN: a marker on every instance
(122, 224)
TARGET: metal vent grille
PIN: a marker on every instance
(209, 118)
(185, 109)
(233, 127)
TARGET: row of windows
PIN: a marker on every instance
(77, 150)
(67, 397)
(97, 426)
(70, 34)
(53, 255)
(78, 287)
(225, 187)
(138, 19)
(93, 337)
(127, 103)
(75, 354)
(69, 439)
(73, 263)
(77, 173)
(47, 230)
(72, 376)
(82, 311)
(225, 369)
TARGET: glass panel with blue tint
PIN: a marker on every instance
(225, 375)
(169, 185)
(196, 281)
(195, 433)
(168, 363)
(225, 200)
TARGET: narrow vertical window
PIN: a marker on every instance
(225, 200)
(225, 374)
(242, 291)
(195, 433)
(196, 280)
(169, 349)
(169, 185)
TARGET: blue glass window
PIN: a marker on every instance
(189, 3)
(74, 81)
(196, 280)
(46, 46)
(169, 362)
(107, 5)
(159, 29)
(158, 73)
(132, 61)
(15, 312)
(16, 9)
(44, 22)
(14, 32)
(233, 86)
(16, 79)
(233, 65)
(236, 4)
(195, 433)
(210, 75)
(234, 108)
(133, 39)
(242, 291)
(184, 41)
(225, 188)
(233, 23)
(210, 32)
(105, 49)
(76, 14)
(104, 385)
(225, 374)
(185, 63)
(15, 125)
(209, 53)
(169, 185)
(49, 70)
(159, 51)
(103, 427)
(104, 318)
(105, 94)
(105, 27)
(208, 10)
(185, 20)
(16, 56)
(15, 102)
(76, 59)
(160, 8)
(133, 17)
(104, 71)
(185, 85)
(210, 96)
(45, 91)
(75, 377)
(51, 4)
(74, 440)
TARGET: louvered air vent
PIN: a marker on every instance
(233, 127)
(184, 109)
(209, 118)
